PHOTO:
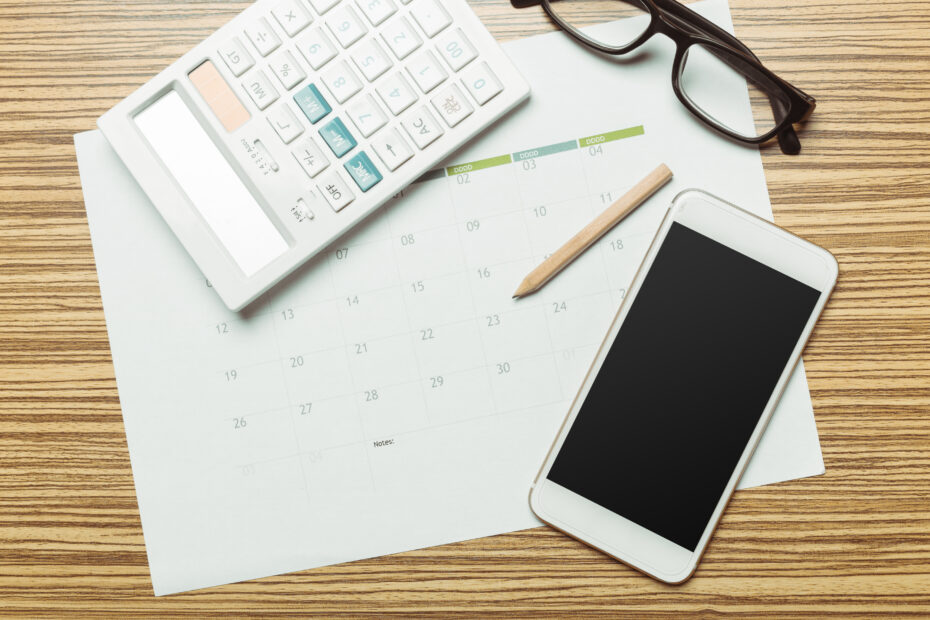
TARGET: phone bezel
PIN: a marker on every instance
(617, 536)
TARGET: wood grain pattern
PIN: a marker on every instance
(854, 543)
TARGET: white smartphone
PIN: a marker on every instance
(682, 387)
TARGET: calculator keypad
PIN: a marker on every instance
(356, 88)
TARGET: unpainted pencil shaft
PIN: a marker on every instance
(610, 217)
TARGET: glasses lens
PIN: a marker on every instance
(598, 19)
(715, 81)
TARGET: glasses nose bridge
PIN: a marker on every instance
(662, 25)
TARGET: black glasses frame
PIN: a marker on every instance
(687, 28)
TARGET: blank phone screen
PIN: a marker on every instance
(683, 386)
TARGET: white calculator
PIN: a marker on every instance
(299, 118)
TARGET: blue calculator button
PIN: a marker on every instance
(363, 172)
(310, 100)
(337, 136)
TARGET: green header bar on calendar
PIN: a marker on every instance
(542, 151)
(481, 164)
(620, 134)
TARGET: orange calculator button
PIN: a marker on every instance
(219, 96)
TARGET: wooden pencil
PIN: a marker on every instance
(610, 217)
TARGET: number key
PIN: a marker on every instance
(345, 26)
(376, 10)
(456, 49)
(427, 72)
(341, 82)
(396, 94)
(401, 37)
(367, 116)
(316, 48)
(482, 83)
(371, 59)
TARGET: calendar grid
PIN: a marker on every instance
(436, 363)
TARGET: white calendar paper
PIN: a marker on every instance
(391, 395)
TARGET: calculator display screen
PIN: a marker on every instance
(683, 386)
(214, 188)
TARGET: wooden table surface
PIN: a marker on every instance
(852, 543)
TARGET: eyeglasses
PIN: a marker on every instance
(711, 68)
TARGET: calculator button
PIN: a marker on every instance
(292, 16)
(260, 90)
(396, 94)
(322, 6)
(310, 157)
(302, 211)
(367, 116)
(216, 91)
(286, 69)
(482, 83)
(262, 36)
(452, 105)
(422, 128)
(370, 59)
(426, 71)
(431, 17)
(345, 25)
(312, 103)
(341, 82)
(363, 171)
(336, 191)
(392, 149)
(285, 123)
(316, 48)
(377, 10)
(456, 49)
(236, 57)
(337, 136)
(401, 37)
